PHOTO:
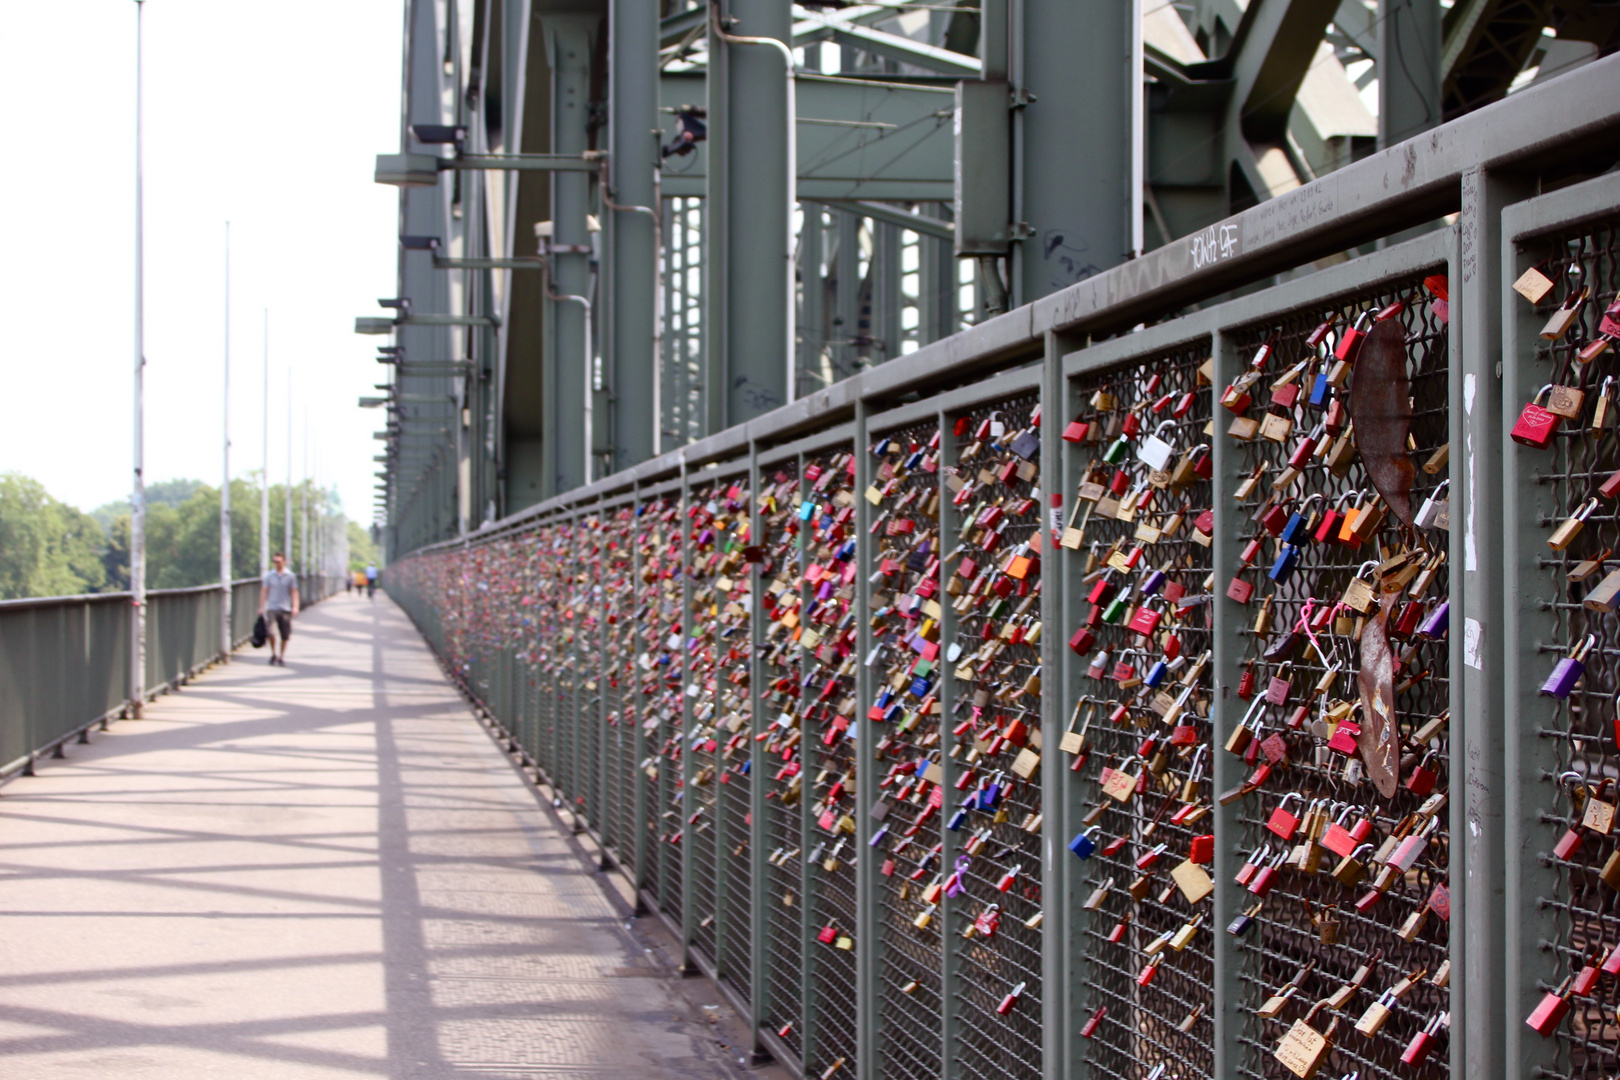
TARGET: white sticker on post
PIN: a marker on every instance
(1473, 644)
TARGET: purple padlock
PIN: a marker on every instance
(1153, 583)
(1568, 670)
(1437, 622)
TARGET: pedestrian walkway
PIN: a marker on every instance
(321, 871)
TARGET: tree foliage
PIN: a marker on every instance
(47, 548)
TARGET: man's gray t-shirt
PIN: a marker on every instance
(281, 584)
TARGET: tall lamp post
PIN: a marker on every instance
(225, 480)
(137, 499)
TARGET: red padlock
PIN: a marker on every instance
(1202, 850)
(1076, 431)
(1010, 1000)
(1550, 1011)
(1423, 778)
(1283, 823)
(1240, 590)
(1245, 687)
(1350, 344)
(1536, 426)
(1417, 1051)
(1089, 1028)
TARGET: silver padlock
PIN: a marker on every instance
(1353, 770)
(1153, 451)
(1435, 513)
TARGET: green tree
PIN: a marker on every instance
(47, 548)
(362, 550)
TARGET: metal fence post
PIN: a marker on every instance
(949, 522)
(1227, 771)
(868, 950)
(1480, 505)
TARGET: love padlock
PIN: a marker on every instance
(1536, 426)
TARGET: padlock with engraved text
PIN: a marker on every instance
(1303, 1050)
(1536, 426)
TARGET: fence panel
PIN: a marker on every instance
(1139, 531)
(1247, 743)
(1560, 326)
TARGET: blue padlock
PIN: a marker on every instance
(1287, 560)
(877, 837)
(1321, 390)
(1296, 530)
(989, 794)
(1155, 675)
(955, 824)
(1083, 845)
(1567, 672)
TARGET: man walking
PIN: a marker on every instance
(371, 581)
(278, 602)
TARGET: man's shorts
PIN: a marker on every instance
(280, 623)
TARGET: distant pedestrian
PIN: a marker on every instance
(371, 582)
(278, 602)
(348, 583)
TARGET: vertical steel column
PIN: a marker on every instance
(846, 294)
(1071, 78)
(758, 835)
(568, 397)
(683, 743)
(1478, 509)
(632, 236)
(639, 642)
(868, 916)
(812, 300)
(1408, 69)
(748, 281)
(936, 285)
(807, 820)
(885, 330)
(1056, 988)
(949, 523)
(598, 716)
(1496, 982)
(1226, 770)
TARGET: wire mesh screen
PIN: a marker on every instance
(656, 619)
(781, 753)
(733, 585)
(615, 595)
(1145, 641)
(661, 665)
(1581, 272)
(1343, 815)
(827, 635)
(992, 475)
(715, 508)
(906, 613)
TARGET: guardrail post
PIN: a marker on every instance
(1226, 770)
(1481, 1041)
(950, 523)
(867, 916)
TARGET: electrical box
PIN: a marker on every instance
(983, 167)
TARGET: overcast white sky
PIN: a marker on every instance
(264, 114)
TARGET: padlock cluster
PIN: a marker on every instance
(718, 713)
(994, 543)
(780, 744)
(661, 664)
(1137, 738)
(906, 660)
(1564, 431)
(1338, 422)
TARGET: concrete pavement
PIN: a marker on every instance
(324, 872)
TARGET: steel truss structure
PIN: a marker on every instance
(626, 225)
